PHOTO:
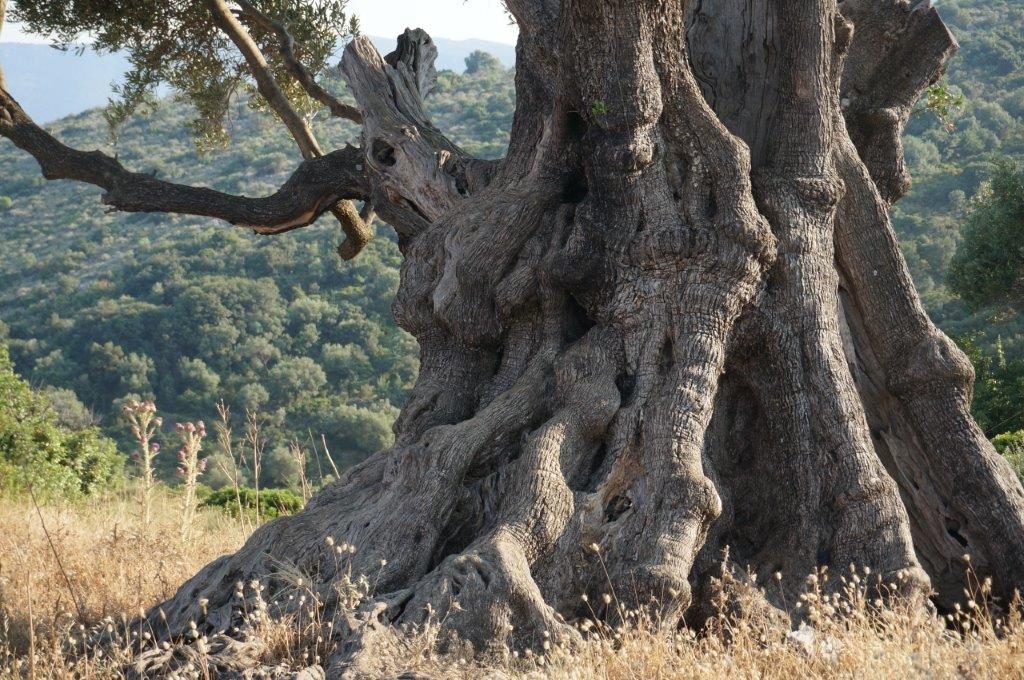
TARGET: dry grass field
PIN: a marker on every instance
(94, 568)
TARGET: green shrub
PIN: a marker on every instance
(273, 502)
(1011, 446)
(37, 453)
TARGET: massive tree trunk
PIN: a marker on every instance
(673, 320)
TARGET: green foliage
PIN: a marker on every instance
(944, 103)
(175, 42)
(988, 268)
(1011, 446)
(1008, 440)
(986, 273)
(68, 411)
(280, 469)
(187, 311)
(998, 386)
(479, 61)
(272, 502)
(475, 110)
(37, 452)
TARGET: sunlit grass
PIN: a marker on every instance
(103, 568)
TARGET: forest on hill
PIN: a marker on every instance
(187, 312)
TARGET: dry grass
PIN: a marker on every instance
(114, 570)
(108, 566)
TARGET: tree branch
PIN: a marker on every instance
(3, 13)
(265, 82)
(416, 172)
(317, 185)
(357, 232)
(298, 70)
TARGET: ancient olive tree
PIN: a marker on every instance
(672, 320)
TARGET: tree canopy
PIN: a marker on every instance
(988, 268)
(180, 43)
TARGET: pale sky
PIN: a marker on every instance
(456, 19)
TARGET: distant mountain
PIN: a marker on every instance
(51, 84)
(452, 53)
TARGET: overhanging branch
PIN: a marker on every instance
(315, 187)
(357, 232)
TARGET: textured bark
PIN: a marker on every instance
(672, 323)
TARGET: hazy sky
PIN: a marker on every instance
(459, 19)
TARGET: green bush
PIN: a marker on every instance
(37, 453)
(273, 502)
(1011, 446)
(989, 265)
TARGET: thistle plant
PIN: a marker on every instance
(141, 416)
(256, 443)
(190, 467)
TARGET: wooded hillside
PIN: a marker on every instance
(188, 312)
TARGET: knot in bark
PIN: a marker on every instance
(810, 193)
(934, 361)
(844, 33)
(800, 210)
(629, 152)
